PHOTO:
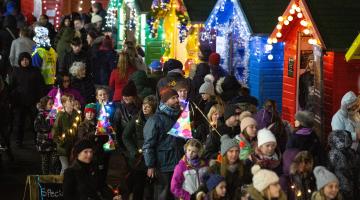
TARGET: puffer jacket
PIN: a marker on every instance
(256, 195)
(341, 120)
(161, 150)
(187, 179)
(344, 162)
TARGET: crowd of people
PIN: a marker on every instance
(239, 149)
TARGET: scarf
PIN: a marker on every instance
(168, 110)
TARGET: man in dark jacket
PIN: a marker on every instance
(75, 55)
(27, 86)
(162, 151)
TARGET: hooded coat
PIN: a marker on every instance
(341, 120)
(344, 162)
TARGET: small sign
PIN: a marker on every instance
(50, 191)
(291, 67)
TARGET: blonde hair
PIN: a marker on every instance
(75, 67)
(122, 64)
(215, 108)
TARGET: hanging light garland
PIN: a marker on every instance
(111, 14)
(80, 5)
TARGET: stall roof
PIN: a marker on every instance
(262, 14)
(354, 50)
(144, 5)
(199, 10)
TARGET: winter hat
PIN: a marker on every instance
(81, 145)
(96, 18)
(323, 177)
(305, 118)
(213, 181)
(23, 55)
(263, 178)
(247, 121)
(155, 65)
(166, 93)
(230, 110)
(173, 64)
(129, 90)
(231, 83)
(245, 114)
(264, 136)
(181, 85)
(208, 86)
(348, 99)
(214, 58)
(227, 143)
(91, 107)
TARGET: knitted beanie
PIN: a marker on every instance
(129, 90)
(264, 136)
(245, 114)
(323, 177)
(214, 58)
(91, 107)
(208, 86)
(227, 143)
(247, 121)
(96, 18)
(230, 110)
(213, 181)
(305, 118)
(81, 145)
(166, 93)
(263, 178)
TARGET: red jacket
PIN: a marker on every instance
(117, 84)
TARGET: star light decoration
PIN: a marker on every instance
(104, 127)
(160, 8)
(283, 21)
(228, 21)
(57, 107)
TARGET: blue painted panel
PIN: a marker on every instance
(266, 76)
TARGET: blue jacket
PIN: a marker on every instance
(161, 150)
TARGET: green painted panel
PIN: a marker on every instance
(154, 48)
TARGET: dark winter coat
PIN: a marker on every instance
(236, 179)
(161, 150)
(86, 88)
(306, 82)
(4, 104)
(202, 69)
(154, 78)
(344, 162)
(133, 138)
(5, 44)
(141, 81)
(26, 85)
(306, 140)
(69, 58)
(106, 61)
(42, 127)
(83, 182)
(86, 130)
(63, 40)
(124, 113)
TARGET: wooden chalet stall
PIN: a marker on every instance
(318, 32)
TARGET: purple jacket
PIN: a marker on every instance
(193, 176)
(71, 91)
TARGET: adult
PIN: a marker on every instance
(162, 151)
(156, 72)
(81, 82)
(64, 84)
(106, 61)
(96, 24)
(64, 37)
(26, 86)
(202, 70)
(76, 54)
(142, 84)
(133, 137)
(231, 167)
(345, 117)
(82, 180)
(215, 68)
(120, 76)
(21, 44)
(228, 87)
(44, 21)
(306, 86)
(8, 33)
(97, 9)
(80, 31)
(134, 58)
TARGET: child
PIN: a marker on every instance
(298, 180)
(188, 172)
(266, 153)
(265, 185)
(216, 186)
(87, 128)
(64, 130)
(344, 162)
(207, 93)
(247, 136)
(44, 142)
(77, 106)
(327, 185)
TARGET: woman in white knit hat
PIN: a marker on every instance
(265, 185)
(266, 153)
(327, 184)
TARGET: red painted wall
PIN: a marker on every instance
(328, 72)
(290, 83)
(27, 6)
